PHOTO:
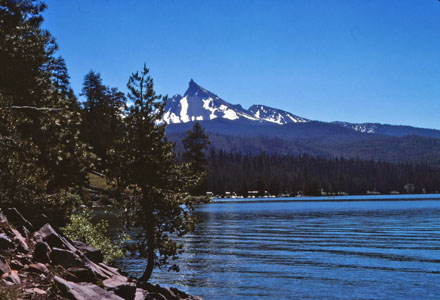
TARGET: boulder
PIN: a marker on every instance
(180, 294)
(157, 296)
(39, 220)
(35, 291)
(39, 291)
(140, 294)
(164, 291)
(169, 293)
(16, 265)
(82, 274)
(15, 218)
(52, 238)
(5, 242)
(84, 291)
(97, 270)
(4, 266)
(37, 268)
(23, 259)
(20, 241)
(65, 258)
(93, 254)
(121, 287)
(42, 252)
(12, 277)
(111, 270)
(3, 218)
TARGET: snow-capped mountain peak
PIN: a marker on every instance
(195, 90)
(199, 104)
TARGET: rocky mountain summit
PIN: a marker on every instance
(37, 262)
(199, 104)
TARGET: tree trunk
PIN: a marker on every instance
(151, 255)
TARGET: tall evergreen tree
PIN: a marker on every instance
(38, 110)
(195, 145)
(26, 52)
(102, 111)
(21, 179)
(158, 203)
(95, 129)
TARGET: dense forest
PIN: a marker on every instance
(417, 149)
(277, 174)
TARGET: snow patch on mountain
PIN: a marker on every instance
(228, 113)
(365, 127)
(274, 115)
(184, 110)
(208, 104)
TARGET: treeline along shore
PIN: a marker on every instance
(237, 173)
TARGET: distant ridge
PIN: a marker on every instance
(393, 130)
(266, 129)
(199, 104)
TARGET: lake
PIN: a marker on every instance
(310, 250)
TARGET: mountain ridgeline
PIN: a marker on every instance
(260, 128)
(199, 104)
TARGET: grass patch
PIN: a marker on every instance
(98, 182)
(10, 292)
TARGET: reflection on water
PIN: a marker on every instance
(318, 250)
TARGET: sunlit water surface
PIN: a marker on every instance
(310, 250)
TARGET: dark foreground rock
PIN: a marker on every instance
(38, 262)
(84, 290)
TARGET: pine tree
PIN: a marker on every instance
(40, 120)
(20, 176)
(26, 52)
(102, 111)
(195, 145)
(149, 172)
(95, 129)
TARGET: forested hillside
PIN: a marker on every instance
(376, 147)
(310, 175)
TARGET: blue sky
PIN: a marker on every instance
(348, 60)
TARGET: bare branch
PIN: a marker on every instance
(37, 108)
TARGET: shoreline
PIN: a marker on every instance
(354, 198)
(39, 262)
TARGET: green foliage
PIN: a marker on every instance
(81, 228)
(26, 51)
(195, 145)
(42, 158)
(158, 202)
(21, 179)
(103, 123)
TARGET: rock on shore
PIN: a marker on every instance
(38, 262)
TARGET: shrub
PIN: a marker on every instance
(81, 228)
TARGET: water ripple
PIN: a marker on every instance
(364, 250)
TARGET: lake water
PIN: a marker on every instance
(310, 250)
